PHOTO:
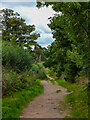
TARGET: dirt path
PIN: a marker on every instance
(47, 104)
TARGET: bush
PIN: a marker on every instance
(35, 68)
(15, 57)
(37, 71)
(10, 82)
(51, 72)
(71, 70)
(13, 81)
(18, 71)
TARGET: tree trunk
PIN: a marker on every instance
(40, 57)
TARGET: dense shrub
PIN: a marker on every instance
(10, 82)
(37, 71)
(71, 70)
(18, 71)
(13, 81)
(15, 57)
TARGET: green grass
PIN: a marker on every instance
(12, 106)
(53, 82)
(53, 77)
(78, 99)
(57, 91)
(46, 79)
(70, 86)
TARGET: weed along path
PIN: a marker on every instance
(47, 104)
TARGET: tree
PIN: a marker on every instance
(15, 29)
(69, 51)
(38, 53)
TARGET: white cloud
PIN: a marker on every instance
(38, 17)
(45, 39)
(46, 45)
(44, 36)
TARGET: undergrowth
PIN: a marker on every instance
(53, 82)
(13, 105)
(78, 99)
(57, 91)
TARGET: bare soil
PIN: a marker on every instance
(47, 105)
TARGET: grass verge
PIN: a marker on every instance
(78, 99)
(57, 91)
(12, 106)
(53, 82)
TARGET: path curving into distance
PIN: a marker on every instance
(47, 104)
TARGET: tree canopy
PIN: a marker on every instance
(15, 29)
(68, 54)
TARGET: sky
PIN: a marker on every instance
(33, 15)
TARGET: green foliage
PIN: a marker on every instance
(63, 83)
(13, 105)
(78, 99)
(37, 71)
(51, 72)
(45, 54)
(35, 68)
(14, 82)
(71, 70)
(18, 71)
(16, 31)
(70, 87)
(53, 82)
(68, 54)
(57, 91)
(18, 90)
(40, 54)
(15, 57)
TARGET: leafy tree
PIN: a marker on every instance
(16, 58)
(15, 29)
(69, 51)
